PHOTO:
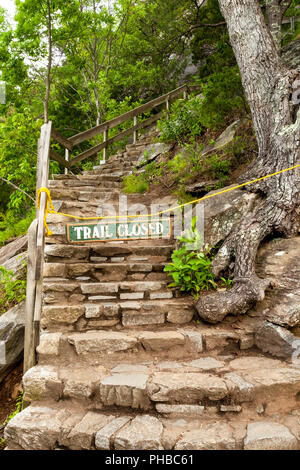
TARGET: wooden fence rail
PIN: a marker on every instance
(71, 142)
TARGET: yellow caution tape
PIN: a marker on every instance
(49, 209)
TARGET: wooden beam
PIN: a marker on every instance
(55, 156)
(44, 163)
(61, 139)
(78, 138)
(288, 20)
(121, 135)
(29, 340)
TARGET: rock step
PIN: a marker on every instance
(112, 172)
(82, 184)
(99, 311)
(79, 253)
(79, 193)
(52, 426)
(85, 177)
(118, 346)
(100, 269)
(95, 205)
(220, 342)
(123, 290)
(245, 383)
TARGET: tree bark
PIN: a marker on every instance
(275, 10)
(49, 65)
(268, 86)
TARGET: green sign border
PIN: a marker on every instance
(105, 240)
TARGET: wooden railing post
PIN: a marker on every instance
(105, 139)
(135, 132)
(67, 158)
(168, 104)
(29, 340)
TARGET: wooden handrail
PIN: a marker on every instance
(115, 138)
(77, 139)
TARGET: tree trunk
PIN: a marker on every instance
(49, 65)
(268, 86)
(275, 9)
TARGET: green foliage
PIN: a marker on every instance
(12, 291)
(18, 408)
(226, 282)
(135, 183)
(223, 96)
(184, 120)
(12, 226)
(140, 182)
(216, 166)
(191, 265)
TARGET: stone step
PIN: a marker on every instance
(85, 177)
(124, 290)
(99, 269)
(83, 184)
(86, 194)
(54, 426)
(224, 342)
(99, 205)
(117, 252)
(232, 386)
(72, 311)
(112, 172)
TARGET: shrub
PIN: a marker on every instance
(12, 291)
(223, 96)
(184, 120)
(135, 183)
(11, 226)
(191, 265)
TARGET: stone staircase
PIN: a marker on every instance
(123, 362)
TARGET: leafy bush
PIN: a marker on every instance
(11, 226)
(191, 266)
(184, 120)
(217, 167)
(140, 182)
(223, 96)
(12, 291)
(135, 183)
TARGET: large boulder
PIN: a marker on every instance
(225, 138)
(277, 259)
(277, 341)
(152, 152)
(12, 325)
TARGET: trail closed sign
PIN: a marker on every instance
(112, 231)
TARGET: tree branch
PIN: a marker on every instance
(285, 5)
(17, 187)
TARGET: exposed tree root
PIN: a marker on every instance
(240, 249)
